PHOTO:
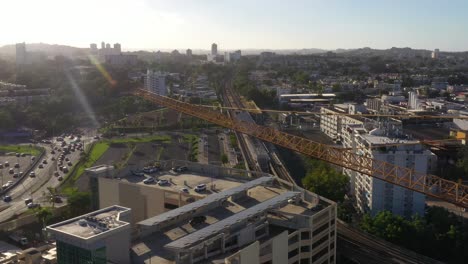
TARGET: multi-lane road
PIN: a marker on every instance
(37, 187)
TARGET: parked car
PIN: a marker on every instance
(44, 161)
(200, 187)
(163, 182)
(56, 173)
(197, 220)
(6, 164)
(181, 169)
(149, 181)
(11, 171)
(60, 178)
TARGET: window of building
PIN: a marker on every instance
(305, 249)
(293, 253)
(319, 242)
(305, 261)
(320, 254)
(305, 235)
(320, 229)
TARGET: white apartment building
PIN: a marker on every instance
(331, 124)
(156, 82)
(373, 195)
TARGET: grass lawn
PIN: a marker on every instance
(35, 151)
(96, 152)
(164, 139)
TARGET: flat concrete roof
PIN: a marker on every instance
(93, 224)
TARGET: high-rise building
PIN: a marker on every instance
(93, 46)
(117, 48)
(103, 45)
(373, 195)
(156, 82)
(100, 237)
(108, 46)
(214, 49)
(413, 102)
(21, 54)
(435, 54)
(188, 53)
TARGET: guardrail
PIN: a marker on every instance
(26, 173)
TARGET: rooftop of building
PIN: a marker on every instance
(233, 207)
(94, 224)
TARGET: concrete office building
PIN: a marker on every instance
(117, 48)
(99, 237)
(435, 54)
(244, 220)
(156, 82)
(93, 46)
(232, 56)
(373, 195)
(214, 49)
(21, 54)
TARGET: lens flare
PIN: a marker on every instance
(82, 99)
(102, 70)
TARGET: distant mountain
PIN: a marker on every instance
(48, 49)
(393, 52)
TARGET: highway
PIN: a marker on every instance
(36, 187)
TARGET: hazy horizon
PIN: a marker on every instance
(260, 25)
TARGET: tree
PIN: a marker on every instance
(224, 158)
(43, 214)
(324, 180)
(78, 202)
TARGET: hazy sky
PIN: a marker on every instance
(275, 24)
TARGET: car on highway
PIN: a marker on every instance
(7, 199)
(23, 154)
(17, 155)
(33, 158)
(182, 169)
(44, 161)
(41, 166)
(6, 164)
(52, 159)
(28, 201)
(60, 178)
(1, 165)
(17, 165)
(163, 182)
(11, 171)
(70, 164)
(16, 175)
(65, 169)
(149, 181)
(56, 173)
(52, 152)
(32, 174)
(200, 187)
(33, 205)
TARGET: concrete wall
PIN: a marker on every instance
(280, 248)
(145, 201)
(250, 254)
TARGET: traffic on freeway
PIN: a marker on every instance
(61, 154)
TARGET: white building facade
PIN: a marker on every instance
(156, 82)
(372, 195)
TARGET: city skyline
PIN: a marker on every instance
(273, 24)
